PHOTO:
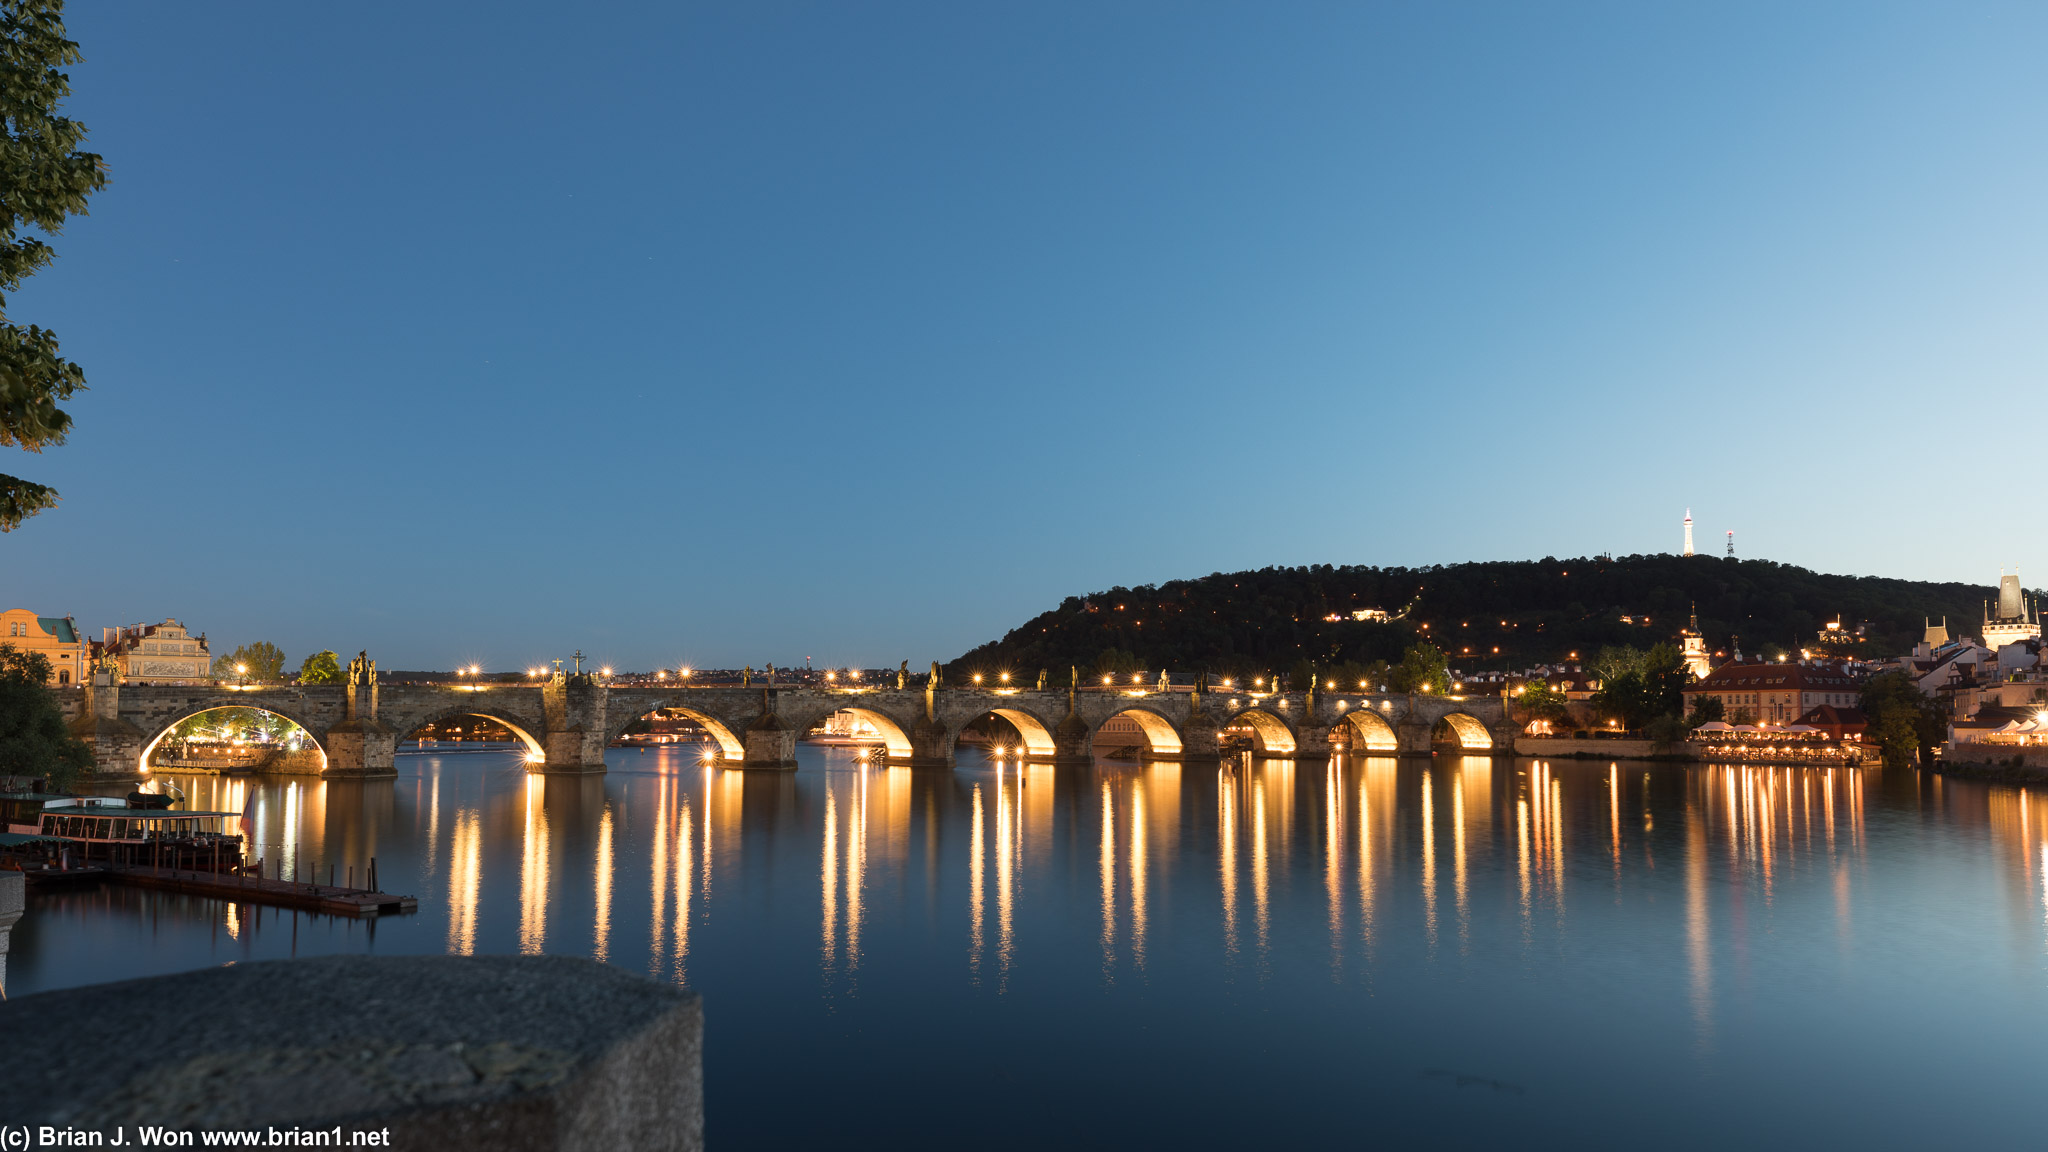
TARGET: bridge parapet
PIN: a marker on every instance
(566, 724)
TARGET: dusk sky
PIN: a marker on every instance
(726, 335)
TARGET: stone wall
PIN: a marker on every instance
(443, 1052)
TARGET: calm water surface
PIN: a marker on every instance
(1454, 950)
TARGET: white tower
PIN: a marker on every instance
(2016, 619)
(1688, 532)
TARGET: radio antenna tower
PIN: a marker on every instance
(1688, 532)
(1731, 544)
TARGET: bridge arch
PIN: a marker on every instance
(1269, 732)
(215, 705)
(523, 728)
(1162, 738)
(1035, 733)
(1368, 731)
(730, 747)
(1462, 730)
(892, 733)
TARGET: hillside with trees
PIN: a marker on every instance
(1484, 616)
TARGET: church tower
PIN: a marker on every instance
(1688, 532)
(1692, 645)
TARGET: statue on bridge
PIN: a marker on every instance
(935, 674)
(1165, 683)
(903, 675)
(771, 673)
(747, 677)
(1041, 679)
(362, 669)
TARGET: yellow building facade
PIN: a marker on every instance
(56, 637)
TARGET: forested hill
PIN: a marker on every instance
(1485, 615)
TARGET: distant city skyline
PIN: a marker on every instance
(713, 337)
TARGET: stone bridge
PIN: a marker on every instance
(567, 722)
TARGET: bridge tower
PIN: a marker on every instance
(575, 706)
(116, 744)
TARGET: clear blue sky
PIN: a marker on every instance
(863, 332)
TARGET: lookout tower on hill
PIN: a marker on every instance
(1688, 535)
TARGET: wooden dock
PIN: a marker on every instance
(246, 889)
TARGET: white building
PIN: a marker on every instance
(2016, 620)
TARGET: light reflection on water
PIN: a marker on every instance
(1600, 943)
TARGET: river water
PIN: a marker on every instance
(1454, 951)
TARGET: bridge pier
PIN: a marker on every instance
(931, 745)
(769, 743)
(570, 752)
(1072, 742)
(361, 749)
(574, 706)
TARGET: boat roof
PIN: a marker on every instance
(17, 839)
(129, 813)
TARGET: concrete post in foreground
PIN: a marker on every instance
(514, 1053)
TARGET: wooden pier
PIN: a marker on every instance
(245, 889)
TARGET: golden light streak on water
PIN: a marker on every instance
(234, 922)
(1828, 810)
(1106, 873)
(1458, 869)
(1428, 863)
(1522, 857)
(829, 879)
(290, 847)
(1614, 815)
(1333, 859)
(704, 854)
(1226, 835)
(977, 873)
(1261, 878)
(1366, 894)
(1557, 845)
(465, 874)
(601, 932)
(856, 867)
(1138, 868)
(433, 822)
(1766, 828)
(658, 876)
(533, 871)
(1006, 877)
(681, 955)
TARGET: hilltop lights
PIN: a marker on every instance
(977, 677)
(1006, 677)
(1105, 679)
